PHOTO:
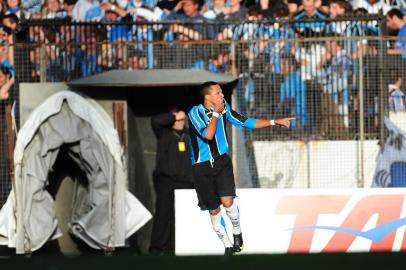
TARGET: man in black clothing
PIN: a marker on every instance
(173, 171)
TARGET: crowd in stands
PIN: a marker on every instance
(121, 30)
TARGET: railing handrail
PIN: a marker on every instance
(349, 18)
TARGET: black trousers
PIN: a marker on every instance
(163, 229)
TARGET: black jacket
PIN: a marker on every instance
(169, 160)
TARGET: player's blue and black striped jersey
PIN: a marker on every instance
(202, 149)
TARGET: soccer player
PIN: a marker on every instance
(211, 166)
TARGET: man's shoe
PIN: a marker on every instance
(238, 243)
(229, 251)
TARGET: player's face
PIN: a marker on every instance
(215, 94)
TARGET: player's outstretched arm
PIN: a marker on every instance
(284, 122)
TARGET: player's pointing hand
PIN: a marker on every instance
(285, 122)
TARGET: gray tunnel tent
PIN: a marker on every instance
(104, 214)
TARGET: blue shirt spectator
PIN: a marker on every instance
(310, 29)
(293, 92)
(190, 14)
(334, 77)
(394, 21)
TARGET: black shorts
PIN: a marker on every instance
(213, 181)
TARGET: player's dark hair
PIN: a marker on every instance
(205, 87)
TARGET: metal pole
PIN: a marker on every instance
(234, 104)
(125, 56)
(361, 179)
(309, 183)
(383, 89)
(42, 64)
(150, 49)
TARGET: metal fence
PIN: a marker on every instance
(332, 75)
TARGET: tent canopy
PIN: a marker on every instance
(104, 212)
(152, 78)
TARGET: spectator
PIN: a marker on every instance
(311, 29)
(293, 92)
(144, 12)
(52, 10)
(295, 6)
(190, 13)
(349, 28)
(115, 35)
(275, 10)
(7, 73)
(68, 6)
(127, 4)
(137, 59)
(218, 8)
(2, 8)
(12, 25)
(309, 54)
(372, 6)
(52, 53)
(87, 10)
(397, 101)
(89, 62)
(361, 28)
(167, 4)
(220, 62)
(10, 22)
(394, 21)
(267, 4)
(6, 82)
(334, 77)
(67, 52)
(280, 32)
(236, 12)
(31, 7)
(14, 8)
(120, 11)
(339, 8)
(253, 30)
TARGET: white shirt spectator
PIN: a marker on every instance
(396, 99)
(212, 13)
(372, 8)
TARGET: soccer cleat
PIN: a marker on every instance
(229, 251)
(238, 243)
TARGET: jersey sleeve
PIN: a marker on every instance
(197, 123)
(239, 120)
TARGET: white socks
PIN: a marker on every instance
(219, 227)
(234, 214)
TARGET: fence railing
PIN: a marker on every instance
(312, 69)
